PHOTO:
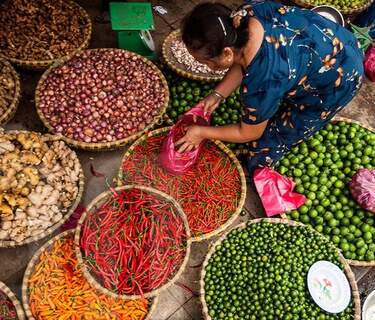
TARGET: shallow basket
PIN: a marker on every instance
(347, 269)
(354, 263)
(96, 203)
(40, 65)
(305, 4)
(100, 146)
(12, 108)
(179, 68)
(228, 153)
(53, 228)
(12, 297)
(36, 259)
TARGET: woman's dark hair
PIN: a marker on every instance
(208, 28)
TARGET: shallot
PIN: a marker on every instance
(102, 95)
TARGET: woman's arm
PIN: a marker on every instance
(235, 133)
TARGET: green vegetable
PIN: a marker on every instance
(260, 271)
(349, 147)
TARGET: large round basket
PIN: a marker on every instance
(35, 260)
(12, 108)
(179, 68)
(347, 269)
(227, 152)
(307, 4)
(113, 145)
(53, 228)
(354, 263)
(43, 64)
(96, 203)
(14, 300)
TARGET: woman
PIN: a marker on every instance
(274, 53)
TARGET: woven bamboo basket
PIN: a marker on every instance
(9, 113)
(102, 145)
(39, 65)
(53, 228)
(96, 203)
(347, 269)
(228, 153)
(354, 263)
(308, 5)
(30, 269)
(179, 68)
(12, 297)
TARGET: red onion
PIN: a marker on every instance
(102, 96)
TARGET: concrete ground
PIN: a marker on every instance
(176, 302)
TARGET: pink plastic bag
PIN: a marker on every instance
(369, 63)
(174, 161)
(362, 188)
(276, 192)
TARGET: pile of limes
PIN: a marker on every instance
(322, 168)
(259, 272)
(344, 5)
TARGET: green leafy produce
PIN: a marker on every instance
(343, 5)
(259, 272)
(322, 168)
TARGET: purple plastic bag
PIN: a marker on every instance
(362, 188)
(170, 159)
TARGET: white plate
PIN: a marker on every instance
(329, 287)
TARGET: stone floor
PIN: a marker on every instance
(176, 302)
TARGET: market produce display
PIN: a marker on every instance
(101, 96)
(55, 288)
(183, 56)
(133, 241)
(10, 308)
(259, 271)
(211, 193)
(345, 6)
(40, 182)
(9, 91)
(42, 30)
(322, 167)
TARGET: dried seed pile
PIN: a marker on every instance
(38, 184)
(7, 87)
(183, 56)
(40, 29)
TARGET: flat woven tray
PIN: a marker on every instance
(228, 153)
(43, 64)
(354, 263)
(97, 202)
(13, 298)
(53, 228)
(30, 269)
(305, 4)
(347, 269)
(9, 113)
(179, 68)
(102, 145)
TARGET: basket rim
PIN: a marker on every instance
(66, 216)
(348, 272)
(35, 259)
(102, 145)
(12, 108)
(305, 4)
(45, 63)
(354, 263)
(228, 153)
(172, 63)
(99, 200)
(16, 303)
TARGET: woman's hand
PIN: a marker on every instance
(191, 139)
(211, 102)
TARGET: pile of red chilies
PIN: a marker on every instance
(134, 242)
(208, 193)
(7, 308)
